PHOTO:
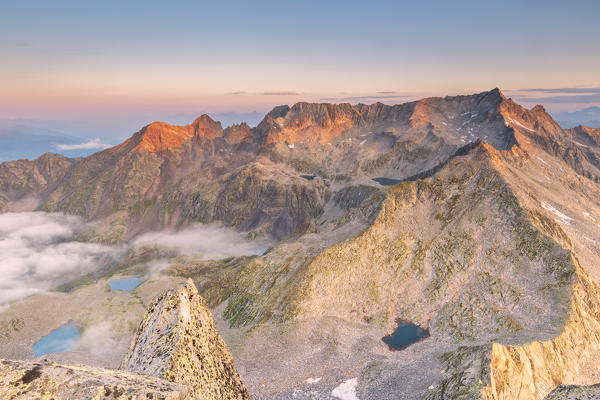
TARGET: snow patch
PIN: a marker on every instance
(363, 142)
(580, 144)
(443, 123)
(564, 218)
(512, 121)
(291, 146)
(311, 381)
(346, 390)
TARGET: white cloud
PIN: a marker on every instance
(212, 242)
(89, 145)
(98, 339)
(40, 251)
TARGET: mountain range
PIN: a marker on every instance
(470, 216)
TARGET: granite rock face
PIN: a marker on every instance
(34, 380)
(177, 340)
(573, 392)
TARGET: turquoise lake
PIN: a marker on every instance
(124, 284)
(62, 339)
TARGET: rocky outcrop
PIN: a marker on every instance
(26, 178)
(37, 380)
(585, 135)
(533, 370)
(177, 340)
(573, 392)
(160, 136)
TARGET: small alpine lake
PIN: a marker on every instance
(64, 338)
(405, 334)
(386, 181)
(124, 284)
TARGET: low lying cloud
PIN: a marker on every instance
(98, 339)
(89, 145)
(40, 251)
(211, 242)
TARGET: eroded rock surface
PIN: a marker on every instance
(34, 380)
(178, 341)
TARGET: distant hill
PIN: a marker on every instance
(589, 116)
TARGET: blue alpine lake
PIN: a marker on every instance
(124, 284)
(387, 181)
(61, 339)
(405, 334)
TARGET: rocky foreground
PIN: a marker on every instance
(176, 354)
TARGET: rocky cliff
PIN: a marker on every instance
(177, 340)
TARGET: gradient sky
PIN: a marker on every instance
(112, 66)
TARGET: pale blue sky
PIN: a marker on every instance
(118, 64)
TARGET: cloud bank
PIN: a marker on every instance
(211, 242)
(89, 145)
(40, 251)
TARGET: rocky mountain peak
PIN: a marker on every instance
(585, 135)
(160, 136)
(206, 127)
(177, 340)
